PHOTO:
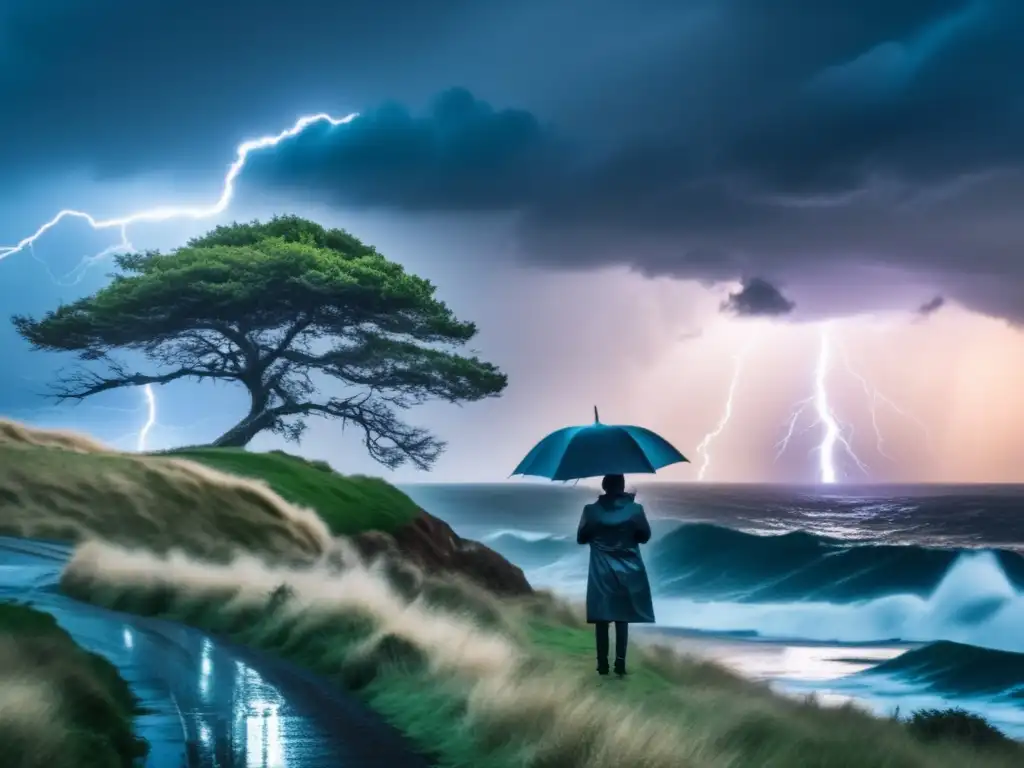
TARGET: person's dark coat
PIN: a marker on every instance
(617, 588)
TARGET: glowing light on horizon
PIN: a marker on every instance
(168, 213)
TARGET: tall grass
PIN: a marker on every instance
(62, 486)
(478, 681)
(60, 707)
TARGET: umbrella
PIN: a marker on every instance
(598, 449)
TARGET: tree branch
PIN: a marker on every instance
(82, 383)
(236, 337)
(387, 439)
(412, 372)
(301, 324)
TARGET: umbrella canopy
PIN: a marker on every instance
(598, 449)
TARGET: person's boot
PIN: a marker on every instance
(620, 667)
(601, 638)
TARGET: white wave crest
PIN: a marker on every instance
(529, 536)
(974, 603)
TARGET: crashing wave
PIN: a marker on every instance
(703, 561)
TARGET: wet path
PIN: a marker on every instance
(209, 703)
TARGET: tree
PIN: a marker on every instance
(277, 307)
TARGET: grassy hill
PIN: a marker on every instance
(347, 503)
(208, 502)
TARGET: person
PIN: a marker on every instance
(618, 590)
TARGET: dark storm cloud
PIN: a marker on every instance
(931, 306)
(824, 140)
(120, 87)
(801, 141)
(705, 139)
(757, 298)
(460, 154)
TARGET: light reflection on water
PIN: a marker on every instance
(257, 712)
(205, 667)
(205, 704)
(243, 719)
(774, 660)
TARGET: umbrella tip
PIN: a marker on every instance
(597, 420)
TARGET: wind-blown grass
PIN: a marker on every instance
(60, 706)
(60, 486)
(207, 501)
(478, 681)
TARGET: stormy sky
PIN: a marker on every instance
(635, 201)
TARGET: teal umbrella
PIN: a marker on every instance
(598, 449)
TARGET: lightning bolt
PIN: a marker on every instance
(835, 434)
(76, 275)
(150, 395)
(833, 429)
(168, 213)
(704, 447)
(826, 451)
(872, 395)
(794, 418)
(875, 397)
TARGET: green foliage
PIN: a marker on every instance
(349, 504)
(271, 306)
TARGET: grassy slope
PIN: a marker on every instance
(91, 722)
(47, 491)
(348, 504)
(553, 712)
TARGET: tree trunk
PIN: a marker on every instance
(254, 422)
(244, 431)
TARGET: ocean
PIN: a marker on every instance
(894, 597)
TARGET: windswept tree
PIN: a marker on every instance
(288, 310)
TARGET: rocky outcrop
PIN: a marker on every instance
(432, 545)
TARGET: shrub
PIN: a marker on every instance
(956, 724)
